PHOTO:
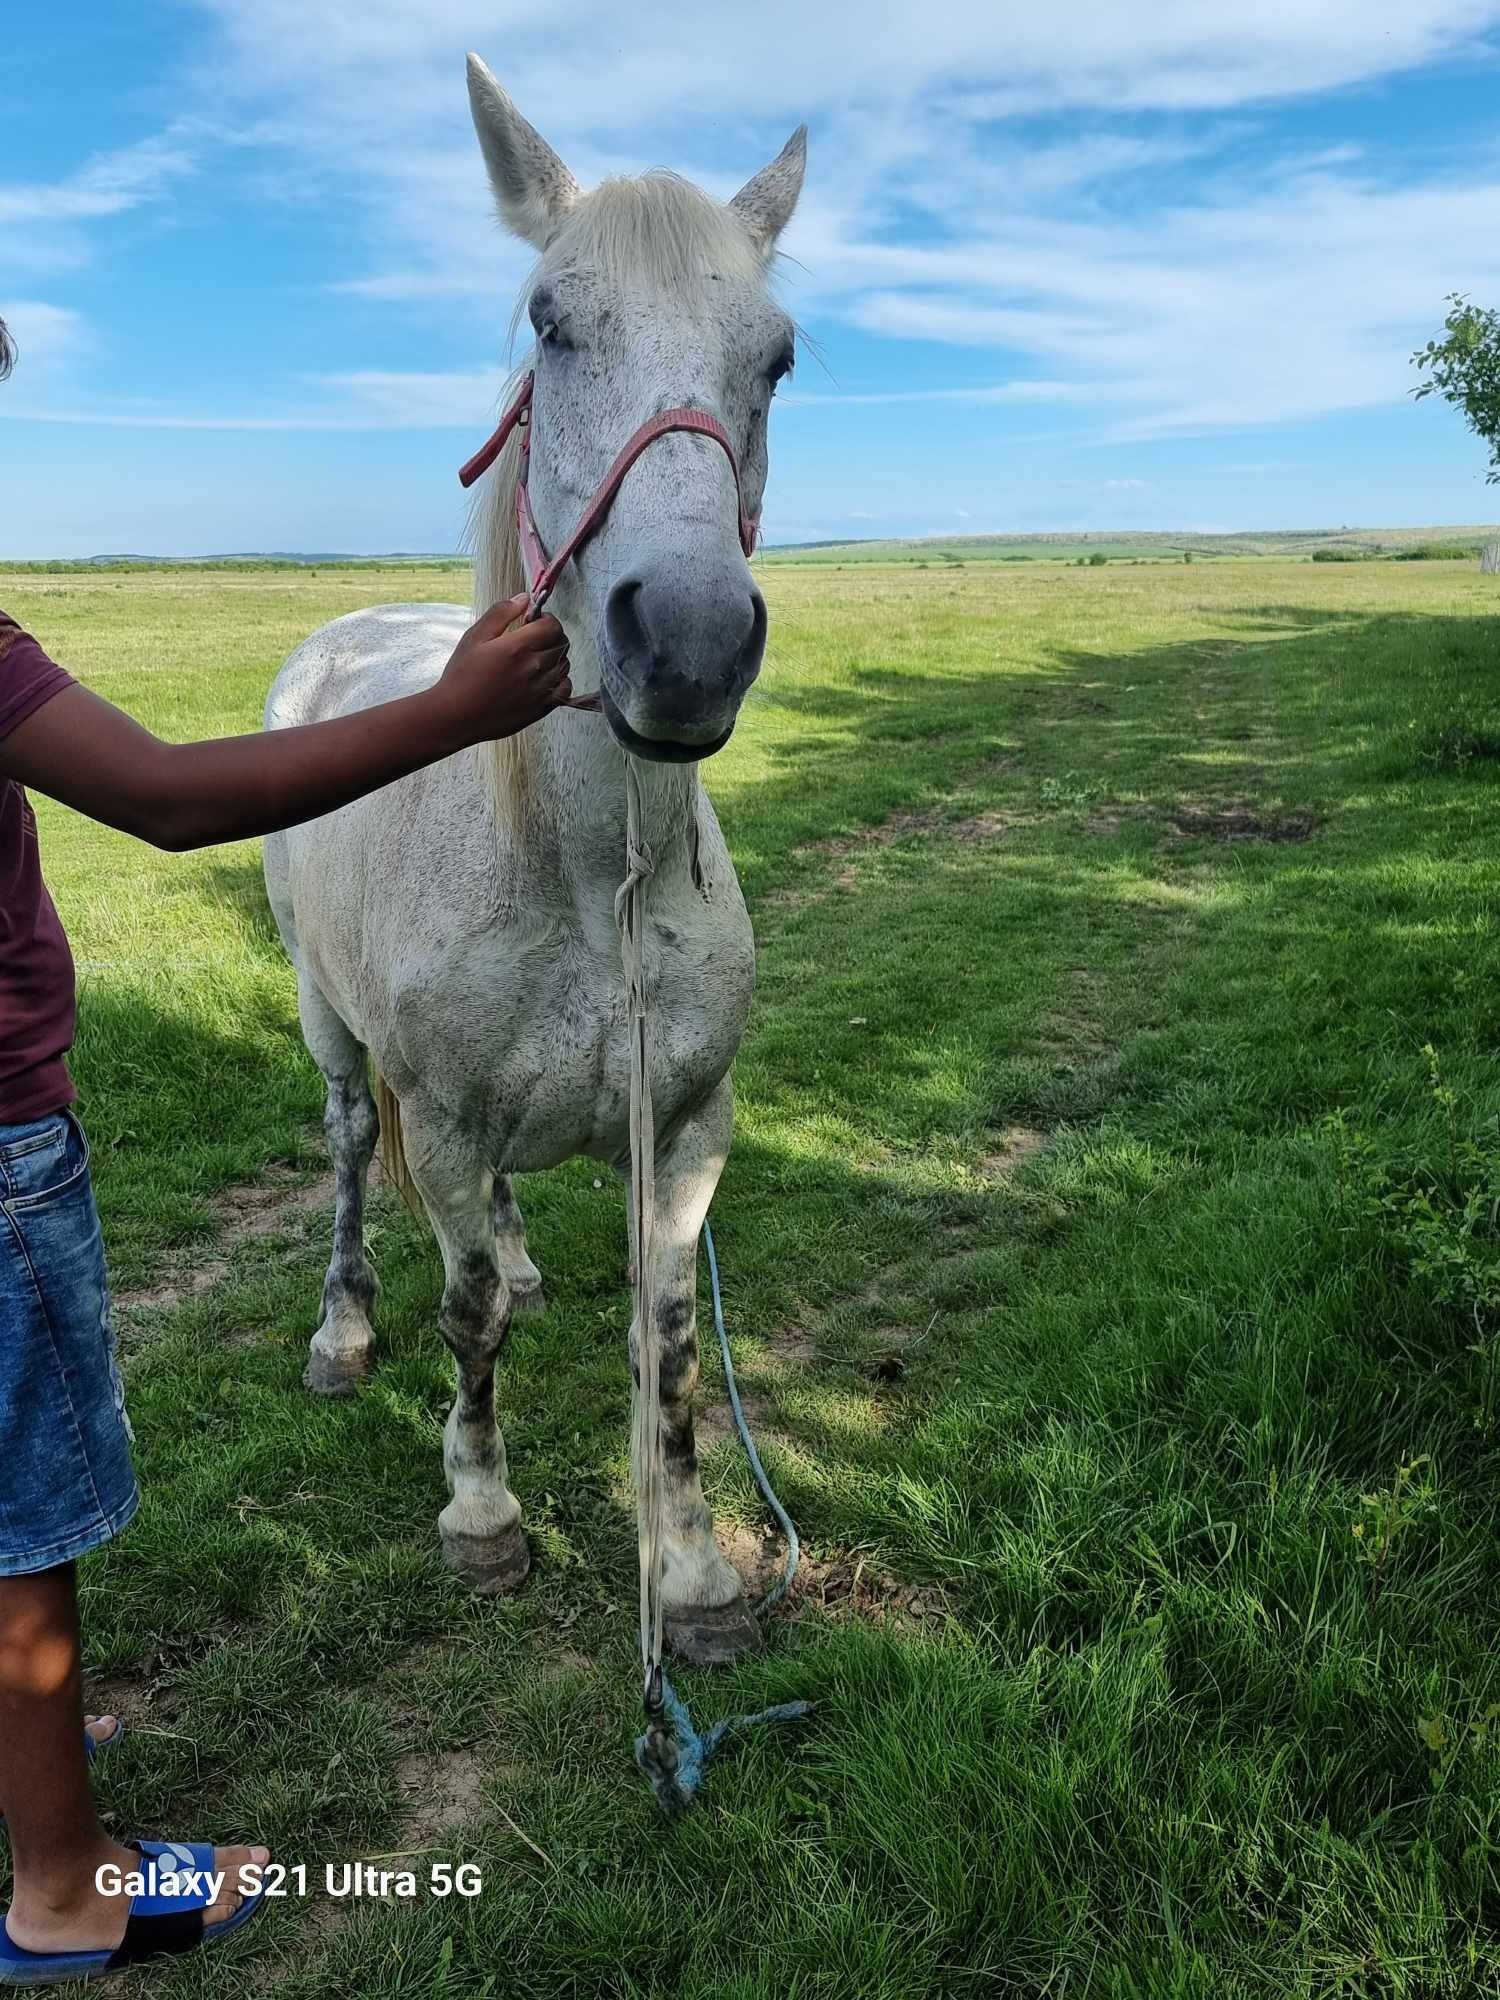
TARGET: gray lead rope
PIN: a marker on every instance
(672, 1755)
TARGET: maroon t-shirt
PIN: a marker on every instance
(36, 967)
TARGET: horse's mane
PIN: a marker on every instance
(655, 231)
(498, 574)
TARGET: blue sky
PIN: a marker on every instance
(1123, 267)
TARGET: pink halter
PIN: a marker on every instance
(542, 570)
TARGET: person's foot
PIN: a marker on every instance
(99, 1728)
(80, 1917)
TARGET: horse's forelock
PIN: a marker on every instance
(653, 229)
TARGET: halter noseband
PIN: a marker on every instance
(542, 570)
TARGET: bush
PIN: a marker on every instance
(1437, 552)
(1339, 555)
(1463, 739)
(1440, 1219)
(1464, 369)
(1096, 561)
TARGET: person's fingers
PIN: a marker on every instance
(500, 617)
(540, 636)
(547, 667)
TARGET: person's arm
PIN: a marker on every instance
(91, 755)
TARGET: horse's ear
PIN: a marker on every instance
(765, 204)
(533, 188)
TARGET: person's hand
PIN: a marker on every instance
(503, 675)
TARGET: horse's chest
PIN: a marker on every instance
(545, 1054)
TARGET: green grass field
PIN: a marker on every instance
(1113, 1272)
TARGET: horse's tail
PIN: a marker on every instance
(393, 1145)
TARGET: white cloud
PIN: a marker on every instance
(993, 392)
(578, 62)
(903, 109)
(417, 400)
(931, 216)
(105, 185)
(360, 400)
(1301, 296)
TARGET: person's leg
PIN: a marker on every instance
(66, 1488)
(56, 1841)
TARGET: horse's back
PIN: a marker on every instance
(351, 663)
(363, 658)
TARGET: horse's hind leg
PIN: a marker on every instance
(342, 1347)
(521, 1275)
(483, 1543)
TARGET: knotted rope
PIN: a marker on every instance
(671, 1754)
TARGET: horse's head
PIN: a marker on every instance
(649, 296)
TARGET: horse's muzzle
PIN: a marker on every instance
(677, 662)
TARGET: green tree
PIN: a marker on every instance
(1464, 369)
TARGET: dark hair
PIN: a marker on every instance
(7, 351)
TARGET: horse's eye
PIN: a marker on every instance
(782, 366)
(542, 312)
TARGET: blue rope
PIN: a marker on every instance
(671, 1754)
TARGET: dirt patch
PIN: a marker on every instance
(277, 1204)
(844, 1585)
(888, 1350)
(895, 826)
(791, 1346)
(441, 1796)
(148, 1691)
(1012, 1149)
(125, 1695)
(1224, 823)
(905, 824)
(713, 1421)
(991, 825)
(982, 827)
(1244, 823)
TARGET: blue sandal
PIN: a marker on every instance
(168, 1917)
(92, 1745)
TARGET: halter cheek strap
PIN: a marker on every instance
(542, 570)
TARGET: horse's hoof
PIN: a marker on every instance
(711, 1635)
(532, 1300)
(327, 1375)
(491, 1565)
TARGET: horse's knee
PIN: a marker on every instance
(475, 1314)
(351, 1123)
(677, 1334)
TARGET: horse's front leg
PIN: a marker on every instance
(483, 1542)
(706, 1618)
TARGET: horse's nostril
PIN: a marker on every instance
(753, 650)
(623, 623)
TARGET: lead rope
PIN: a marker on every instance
(671, 1754)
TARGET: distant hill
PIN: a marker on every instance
(938, 550)
(1128, 547)
(270, 558)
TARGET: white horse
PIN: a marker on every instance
(457, 929)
